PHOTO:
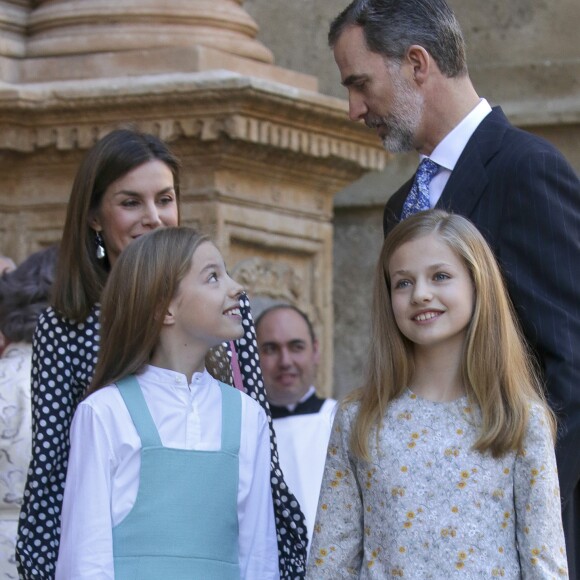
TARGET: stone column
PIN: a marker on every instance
(87, 39)
(62, 27)
(13, 21)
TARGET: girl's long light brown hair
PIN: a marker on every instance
(497, 368)
(140, 287)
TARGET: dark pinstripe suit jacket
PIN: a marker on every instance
(525, 198)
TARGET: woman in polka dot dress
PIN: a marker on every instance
(127, 185)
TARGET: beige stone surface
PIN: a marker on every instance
(89, 26)
(13, 20)
(150, 61)
(52, 40)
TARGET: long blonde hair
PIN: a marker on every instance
(497, 368)
(141, 285)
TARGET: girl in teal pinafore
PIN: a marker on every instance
(168, 475)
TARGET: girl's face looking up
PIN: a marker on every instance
(432, 293)
(139, 202)
(206, 308)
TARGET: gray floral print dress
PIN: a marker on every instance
(428, 506)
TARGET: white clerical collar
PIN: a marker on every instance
(306, 396)
(452, 145)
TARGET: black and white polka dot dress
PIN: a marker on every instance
(290, 522)
(64, 354)
(63, 361)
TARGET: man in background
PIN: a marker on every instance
(289, 358)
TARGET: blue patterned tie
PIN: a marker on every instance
(418, 198)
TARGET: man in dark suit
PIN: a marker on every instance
(403, 63)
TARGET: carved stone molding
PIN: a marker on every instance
(286, 280)
(275, 280)
(208, 107)
(232, 126)
(277, 136)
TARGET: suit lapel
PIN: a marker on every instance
(469, 178)
(394, 207)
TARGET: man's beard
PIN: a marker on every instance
(400, 126)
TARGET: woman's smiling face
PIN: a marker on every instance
(140, 201)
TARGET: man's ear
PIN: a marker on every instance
(316, 351)
(420, 61)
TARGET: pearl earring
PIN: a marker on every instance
(100, 246)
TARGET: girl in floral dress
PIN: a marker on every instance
(442, 464)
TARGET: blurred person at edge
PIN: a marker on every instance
(6, 265)
(24, 294)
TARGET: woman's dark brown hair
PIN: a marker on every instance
(80, 276)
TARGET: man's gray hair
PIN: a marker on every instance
(390, 27)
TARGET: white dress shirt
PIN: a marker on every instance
(451, 147)
(104, 465)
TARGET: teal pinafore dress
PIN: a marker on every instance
(184, 524)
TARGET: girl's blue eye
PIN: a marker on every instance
(441, 276)
(402, 284)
